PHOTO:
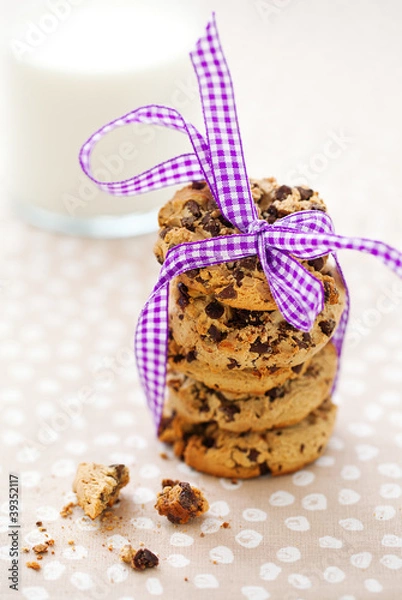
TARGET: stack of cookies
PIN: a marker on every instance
(247, 392)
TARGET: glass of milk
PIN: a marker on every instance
(74, 65)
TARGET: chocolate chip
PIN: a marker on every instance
(169, 482)
(238, 274)
(328, 326)
(317, 263)
(327, 291)
(260, 347)
(208, 442)
(165, 423)
(178, 358)
(229, 409)
(188, 223)
(225, 222)
(283, 192)
(194, 208)
(191, 356)
(184, 298)
(211, 205)
(192, 273)
(203, 406)
(274, 393)
(198, 185)
(297, 368)
(302, 446)
(227, 293)
(272, 214)
(249, 263)
(316, 206)
(119, 469)
(187, 498)
(264, 469)
(216, 334)
(211, 225)
(304, 342)
(145, 559)
(253, 455)
(232, 364)
(238, 319)
(305, 194)
(214, 310)
(163, 232)
(242, 318)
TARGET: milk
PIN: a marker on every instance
(68, 77)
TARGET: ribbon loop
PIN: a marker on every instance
(176, 170)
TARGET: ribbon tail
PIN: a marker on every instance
(151, 342)
(222, 128)
(338, 337)
(297, 293)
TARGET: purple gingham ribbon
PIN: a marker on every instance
(220, 161)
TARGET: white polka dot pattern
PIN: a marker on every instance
(71, 394)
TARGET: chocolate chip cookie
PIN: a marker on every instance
(193, 214)
(221, 335)
(180, 502)
(212, 450)
(231, 378)
(281, 406)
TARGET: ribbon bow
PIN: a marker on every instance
(219, 159)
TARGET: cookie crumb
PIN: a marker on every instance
(202, 534)
(138, 559)
(164, 455)
(67, 509)
(40, 548)
(38, 523)
(25, 549)
(71, 542)
(98, 486)
(33, 565)
(225, 525)
(180, 502)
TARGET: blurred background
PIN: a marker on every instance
(318, 86)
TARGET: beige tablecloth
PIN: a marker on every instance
(69, 393)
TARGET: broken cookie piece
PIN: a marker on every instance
(139, 559)
(180, 502)
(43, 547)
(98, 486)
